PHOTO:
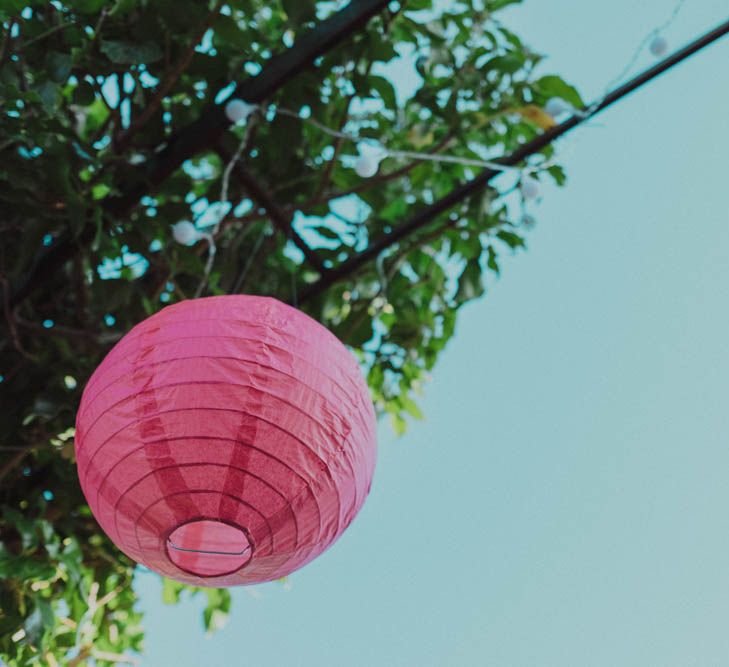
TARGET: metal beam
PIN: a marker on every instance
(480, 182)
(200, 135)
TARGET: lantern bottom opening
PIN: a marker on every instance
(209, 548)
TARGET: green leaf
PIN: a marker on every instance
(299, 11)
(58, 66)
(415, 5)
(215, 615)
(558, 174)
(87, 6)
(12, 6)
(359, 334)
(130, 53)
(171, 591)
(492, 261)
(411, 407)
(380, 48)
(495, 5)
(511, 239)
(399, 425)
(227, 29)
(123, 7)
(470, 284)
(50, 95)
(384, 89)
(554, 86)
(509, 63)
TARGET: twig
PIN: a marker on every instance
(168, 83)
(14, 461)
(99, 24)
(6, 40)
(84, 653)
(279, 216)
(212, 247)
(249, 262)
(47, 33)
(11, 319)
(113, 657)
(72, 332)
(326, 176)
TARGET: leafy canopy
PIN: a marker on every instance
(90, 90)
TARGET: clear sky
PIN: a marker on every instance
(565, 501)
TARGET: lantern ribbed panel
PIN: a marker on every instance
(232, 421)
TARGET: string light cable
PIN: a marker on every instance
(371, 152)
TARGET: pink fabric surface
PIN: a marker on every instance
(226, 441)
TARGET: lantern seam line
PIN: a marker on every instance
(340, 364)
(90, 400)
(342, 358)
(265, 519)
(243, 443)
(324, 427)
(162, 542)
(149, 477)
(302, 359)
(318, 480)
(274, 425)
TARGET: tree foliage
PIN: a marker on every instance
(89, 92)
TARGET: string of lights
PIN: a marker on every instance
(371, 152)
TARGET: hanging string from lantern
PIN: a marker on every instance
(223, 200)
(294, 275)
(249, 262)
(186, 233)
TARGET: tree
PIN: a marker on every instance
(100, 101)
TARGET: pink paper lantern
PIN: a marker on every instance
(226, 441)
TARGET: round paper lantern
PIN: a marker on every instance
(225, 441)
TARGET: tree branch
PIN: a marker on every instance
(280, 218)
(5, 41)
(165, 87)
(209, 127)
(14, 460)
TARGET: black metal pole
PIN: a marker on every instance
(209, 127)
(428, 214)
(201, 134)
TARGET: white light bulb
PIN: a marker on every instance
(366, 166)
(659, 46)
(371, 150)
(185, 233)
(529, 187)
(556, 107)
(238, 110)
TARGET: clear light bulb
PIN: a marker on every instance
(659, 46)
(556, 107)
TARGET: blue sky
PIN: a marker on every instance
(565, 500)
